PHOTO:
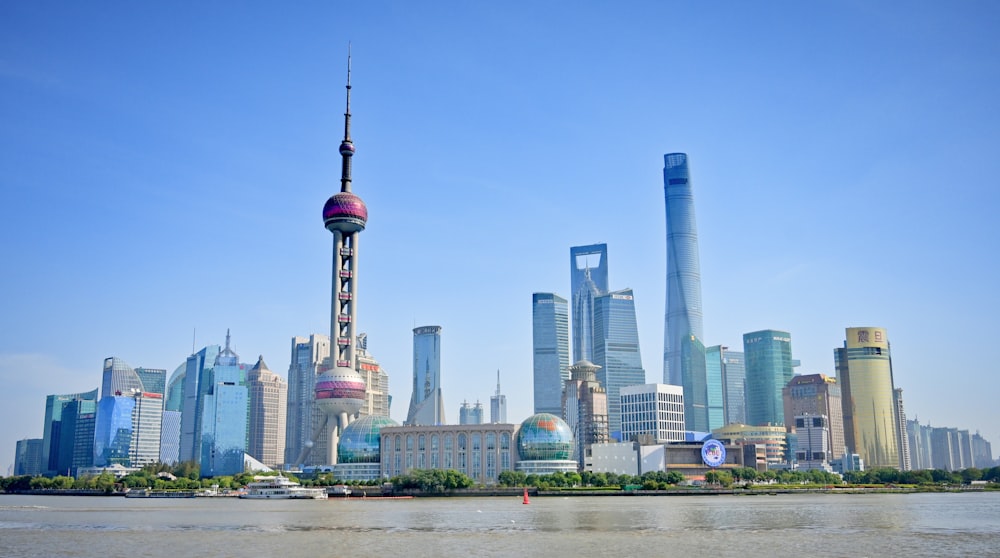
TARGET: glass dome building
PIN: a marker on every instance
(361, 439)
(545, 445)
(359, 450)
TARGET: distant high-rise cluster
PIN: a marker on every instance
(600, 414)
(604, 332)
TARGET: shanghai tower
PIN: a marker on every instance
(683, 342)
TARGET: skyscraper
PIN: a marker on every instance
(170, 437)
(585, 410)
(816, 395)
(147, 424)
(307, 357)
(655, 411)
(173, 397)
(470, 414)
(153, 379)
(769, 367)
(224, 420)
(588, 279)
(714, 376)
(734, 378)
(550, 350)
(28, 457)
(498, 405)
(864, 367)
(376, 381)
(340, 390)
(683, 343)
(268, 399)
(197, 379)
(427, 401)
(113, 431)
(52, 427)
(119, 378)
(904, 444)
(76, 436)
(616, 350)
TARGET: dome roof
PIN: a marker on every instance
(345, 212)
(544, 437)
(361, 440)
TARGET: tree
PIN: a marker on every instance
(512, 478)
(674, 477)
(971, 474)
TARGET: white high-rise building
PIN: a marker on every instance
(652, 413)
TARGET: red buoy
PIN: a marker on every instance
(526, 500)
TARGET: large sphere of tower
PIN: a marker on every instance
(340, 390)
(345, 212)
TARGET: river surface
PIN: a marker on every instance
(965, 524)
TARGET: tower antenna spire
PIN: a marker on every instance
(347, 146)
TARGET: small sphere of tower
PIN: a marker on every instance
(347, 149)
(340, 390)
(345, 212)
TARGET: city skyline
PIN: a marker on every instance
(130, 175)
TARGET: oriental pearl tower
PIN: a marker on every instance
(340, 389)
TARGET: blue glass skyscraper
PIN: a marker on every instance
(683, 345)
(588, 279)
(113, 432)
(734, 379)
(197, 374)
(716, 388)
(550, 350)
(224, 419)
(769, 367)
(616, 350)
(52, 427)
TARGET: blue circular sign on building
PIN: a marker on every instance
(713, 453)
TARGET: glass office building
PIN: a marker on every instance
(224, 421)
(588, 279)
(683, 345)
(113, 431)
(197, 372)
(769, 368)
(426, 402)
(716, 387)
(550, 350)
(52, 426)
(616, 350)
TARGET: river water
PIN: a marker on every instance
(965, 524)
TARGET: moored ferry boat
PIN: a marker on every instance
(281, 487)
(339, 490)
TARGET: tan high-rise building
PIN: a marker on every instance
(585, 409)
(864, 369)
(376, 381)
(268, 399)
(815, 395)
(301, 418)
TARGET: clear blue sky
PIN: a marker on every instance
(163, 168)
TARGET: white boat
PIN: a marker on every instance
(281, 487)
(339, 490)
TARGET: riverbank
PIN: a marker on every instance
(373, 492)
